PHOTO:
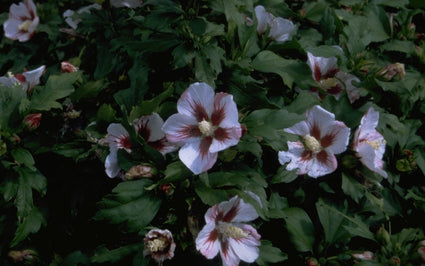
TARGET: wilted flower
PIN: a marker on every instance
(28, 79)
(204, 125)
(71, 17)
(32, 121)
(159, 244)
(367, 255)
(323, 137)
(280, 28)
(421, 252)
(330, 79)
(392, 70)
(225, 232)
(22, 21)
(369, 143)
(27, 256)
(67, 67)
(140, 170)
(126, 3)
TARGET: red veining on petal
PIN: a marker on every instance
(212, 237)
(331, 73)
(142, 129)
(204, 146)
(335, 90)
(219, 112)
(225, 247)
(231, 214)
(317, 72)
(158, 145)
(185, 132)
(323, 157)
(306, 155)
(199, 112)
(221, 134)
(328, 139)
(315, 131)
(21, 78)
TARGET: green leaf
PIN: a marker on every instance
(352, 188)
(406, 47)
(277, 205)
(30, 224)
(210, 196)
(284, 176)
(89, 90)
(176, 171)
(270, 254)
(303, 102)
(10, 100)
(57, 87)
(131, 203)
(103, 254)
(23, 156)
(333, 225)
(106, 113)
(288, 69)
(300, 228)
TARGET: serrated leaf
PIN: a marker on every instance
(277, 205)
(131, 203)
(10, 100)
(103, 254)
(352, 188)
(333, 225)
(106, 113)
(30, 224)
(57, 87)
(89, 90)
(23, 156)
(270, 254)
(284, 176)
(300, 228)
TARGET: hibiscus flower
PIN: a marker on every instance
(149, 127)
(28, 79)
(330, 79)
(159, 244)
(280, 28)
(224, 232)
(22, 21)
(369, 143)
(323, 137)
(204, 125)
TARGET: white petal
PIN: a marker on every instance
(126, 3)
(236, 210)
(229, 137)
(19, 11)
(281, 29)
(116, 132)
(246, 248)
(225, 113)
(228, 256)
(10, 27)
(8, 81)
(369, 121)
(324, 64)
(33, 76)
(353, 92)
(197, 101)
(319, 117)
(370, 159)
(111, 164)
(207, 242)
(300, 128)
(317, 168)
(263, 19)
(190, 155)
(339, 135)
(293, 156)
(181, 128)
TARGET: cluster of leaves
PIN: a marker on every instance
(137, 61)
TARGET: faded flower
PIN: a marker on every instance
(159, 244)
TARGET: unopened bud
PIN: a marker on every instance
(167, 189)
(32, 121)
(15, 139)
(367, 255)
(141, 170)
(67, 67)
(383, 236)
(312, 262)
(421, 252)
(392, 70)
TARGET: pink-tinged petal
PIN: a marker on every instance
(33, 77)
(246, 248)
(295, 157)
(224, 138)
(228, 256)
(236, 210)
(369, 158)
(163, 146)
(322, 164)
(111, 164)
(150, 127)
(197, 101)
(369, 121)
(225, 113)
(212, 214)
(335, 137)
(281, 29)
(300, 128)
(118, 137)
(196, 158)
(318, 119)
(322, 66)
(207, 241)
(263, 19)
(353, 92)
(181, 128)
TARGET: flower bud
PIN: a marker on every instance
(15, 139)
(312, 262)
(167, 189)
(26, 256)
(32, 121)
(67, 67)
(367, 255)
(392, 70)
(383, 236)
(141, 170)
(421, 252)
